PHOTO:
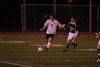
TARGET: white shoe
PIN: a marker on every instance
(98, 60)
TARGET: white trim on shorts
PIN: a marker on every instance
(71, 36)
(76, 33)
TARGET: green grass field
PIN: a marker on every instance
(21, 51)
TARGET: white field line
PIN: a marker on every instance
(54, 45)
(87, 49)
(14, 42)
(1, 35)
(61, 56)
(5, 62)
(68, 60)
(21, 65)
(90, 49)
(37, 45)
(80, 60)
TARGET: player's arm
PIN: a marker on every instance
(42, 28)
(45, 25)
(74, 27)
(70, 27)
(65, 26)
(61, 26)
(97, 34)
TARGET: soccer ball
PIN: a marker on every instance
(40, 49)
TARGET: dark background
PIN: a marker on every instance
(10, 11)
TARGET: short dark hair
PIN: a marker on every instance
(51, 14)
(74, 17)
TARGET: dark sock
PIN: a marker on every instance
(73, 43)
(67, 46)
(46, 49)
(98, 53)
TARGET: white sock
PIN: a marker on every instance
(48, 45)
(73, 41)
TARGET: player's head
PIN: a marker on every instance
(52, 16)
(73, 19)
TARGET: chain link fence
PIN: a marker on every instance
(33, 16)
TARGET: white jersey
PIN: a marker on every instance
(99, 43)
(99, 39)
(51, 26)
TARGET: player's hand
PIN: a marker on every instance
(97, 36)
(64, 28)
(63, 25)
(96, 33)
(40, 29)
(72, 28)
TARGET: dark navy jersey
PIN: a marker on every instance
(73, 27)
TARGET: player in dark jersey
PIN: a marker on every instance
(98, 46)
(73, 31)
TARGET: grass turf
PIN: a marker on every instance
(18, 49)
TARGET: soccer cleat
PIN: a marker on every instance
(98, 61)
(46, 49)
(75, 45)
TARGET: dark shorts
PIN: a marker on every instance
(49, 35)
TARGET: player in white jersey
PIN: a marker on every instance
(51, 25)
(73, 31)
(98, 46)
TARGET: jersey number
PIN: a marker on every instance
(51, 25)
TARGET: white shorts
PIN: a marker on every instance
(76, 34)
(99, 43)
(71, 36)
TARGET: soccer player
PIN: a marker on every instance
(98, 46)
(73, 31)
(51, 25)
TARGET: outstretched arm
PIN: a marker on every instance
(42, 28)
(45, 25)
(63, 27)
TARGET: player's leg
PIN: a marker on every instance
(49, 42)
(98, 49)
(67, 45)
(50, 38)
(47, 37)
(73, 41)
(69, 40)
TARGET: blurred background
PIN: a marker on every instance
(30, 15)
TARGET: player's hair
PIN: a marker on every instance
(51, 14)
(74, 17)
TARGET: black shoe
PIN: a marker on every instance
(65, 50)
(75, 45)
(46, 49)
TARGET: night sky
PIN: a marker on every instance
(10, 10)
